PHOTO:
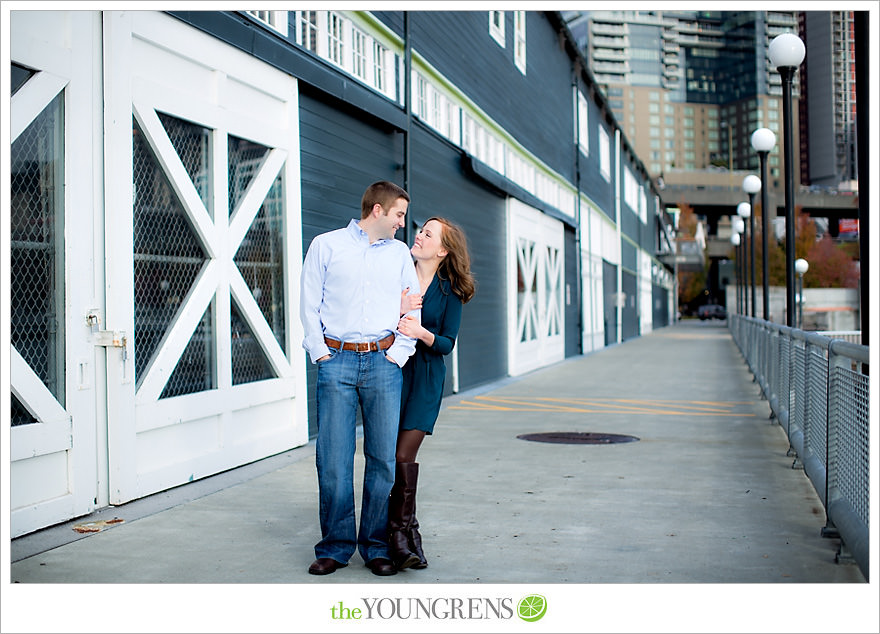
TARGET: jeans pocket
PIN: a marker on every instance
(333, 354)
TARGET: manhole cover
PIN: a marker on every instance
(578, 438)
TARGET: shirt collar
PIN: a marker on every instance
(359, 234)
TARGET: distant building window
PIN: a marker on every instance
(453, 122)
(496, 26)
(307, 36)
(422, 97)
(643, 204)
(604, 153)
(630, 189)
(583, 123)
(469, 135)
(519, 41)
(276, 19)
(359, 54)
(436, 112)
(336, 39)
(379, 66)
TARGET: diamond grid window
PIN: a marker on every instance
(527, 290)
(19, 76)
(554, 292)
(169, 257)
(192, 144)
(195, 368)
(260, 259)
(249, 362)
(245, 159)
(167, 253)
(36, 234)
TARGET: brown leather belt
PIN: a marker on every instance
(367, 346)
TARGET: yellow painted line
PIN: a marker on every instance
(685, 404)
(520, 406)
(594, 406)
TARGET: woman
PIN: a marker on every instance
(445, 280)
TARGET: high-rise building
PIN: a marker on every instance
(690, 87)
(829, 115)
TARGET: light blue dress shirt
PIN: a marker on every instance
(350, 291)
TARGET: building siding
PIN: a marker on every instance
(439, 188)
(341, 155)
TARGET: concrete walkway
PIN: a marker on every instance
(705, 495)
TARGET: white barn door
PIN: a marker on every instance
(536, 279)
(54, 155)
(203, 242)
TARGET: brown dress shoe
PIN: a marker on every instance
(381, 566)
(324, 566)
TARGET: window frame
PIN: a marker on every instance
(519, 40)
(604, 153)
(582, 124)
(496, 30)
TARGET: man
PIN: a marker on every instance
(352, 281)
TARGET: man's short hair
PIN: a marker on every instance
(382, 192)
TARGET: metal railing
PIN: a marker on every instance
(853, 336)
(818, 391)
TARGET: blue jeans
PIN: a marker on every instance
(345, 381)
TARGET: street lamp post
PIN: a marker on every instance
(751, 185)
(763, 141)
(786, 53)
(744, 211)
(734, 240)
(801, 266)
(737, 226)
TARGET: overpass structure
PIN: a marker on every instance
(715, 199)
(714, 202)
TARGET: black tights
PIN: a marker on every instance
(408, 443)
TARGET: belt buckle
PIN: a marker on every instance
(362, 346)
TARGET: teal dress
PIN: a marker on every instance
(424, 374)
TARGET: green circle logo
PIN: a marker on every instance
(532, 608)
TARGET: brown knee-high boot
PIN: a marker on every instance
(415, 544)
(401, 512)
(415, 538)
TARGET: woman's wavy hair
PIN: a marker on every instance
(456, 266)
